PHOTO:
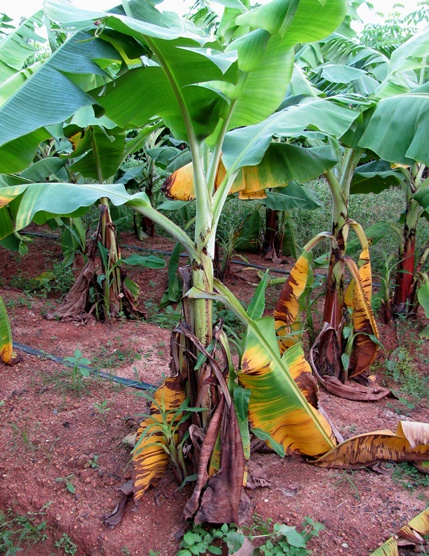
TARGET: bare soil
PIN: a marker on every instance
(50, 430)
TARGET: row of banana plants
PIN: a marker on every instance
(251, 122)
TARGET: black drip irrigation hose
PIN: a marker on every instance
(95, 372)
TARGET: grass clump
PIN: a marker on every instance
(401, 368)
(21, 531)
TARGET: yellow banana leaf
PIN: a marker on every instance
(364, 324)
(412, 533)
(251, 182)
(287, 307)
(150, 455)
(180, 185)
(389, 548)
(277, 406)
(6, 350)
(409, 443)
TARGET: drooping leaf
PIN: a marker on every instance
(149, 456)
(395, 138)
(292, 196)
(277, 405)
(221, 498)
(287, 307)
(374, 233)
(374, 177)
(364, 324)
(281, 164)
(389, 548)
(409, 443)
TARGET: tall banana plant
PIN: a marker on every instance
(401, 141)
(220, 99)
(348, 341)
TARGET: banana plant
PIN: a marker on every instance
(348, 341)
(411, 161)
(401, 142)
(222, 100)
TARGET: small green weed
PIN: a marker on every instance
(22, 433)
(277, 538)
(18, 531)
(406, 475)
(58, 280)
(67, 545)
(68, 482)
(345, 478)
(78, 372)
(93, 462)
(102, 409)
(402, 370)
(165, 318)
(24, 300)
(113, 360)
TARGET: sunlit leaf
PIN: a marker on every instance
(409, 443)
(277, 405)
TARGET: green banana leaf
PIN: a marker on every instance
(49, 95)
(292, 196)
(102, 150)
(247, 146)
(19, 45)
(374, 177)
(42, 201)
(397, 138)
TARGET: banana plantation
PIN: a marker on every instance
(215, 284)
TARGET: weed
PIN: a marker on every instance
(93, 462)
(68, 482)
(17, 530)
(67, 545)
(22, 432)
(24, 300)
(406, 475)
(58, 280)
(102, 409)
(401, 369)
(112, 360)
(277, 538)
(344, 477)
(126, 551)
(166, 318)
(78, 372)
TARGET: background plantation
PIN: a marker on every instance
(201, 221)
